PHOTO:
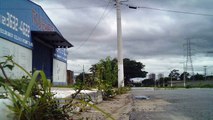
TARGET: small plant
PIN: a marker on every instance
(122, 90)
(32, 98)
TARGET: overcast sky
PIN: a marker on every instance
(155, 38)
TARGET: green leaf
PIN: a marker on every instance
(16, 98)
(30, 86)
(8, 57)
(45, 82)
(9, 66)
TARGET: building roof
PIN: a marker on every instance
(52, 38)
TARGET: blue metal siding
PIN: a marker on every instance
(19, 17)
(43, 58)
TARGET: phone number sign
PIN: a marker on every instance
(19, 17)
(14, 29)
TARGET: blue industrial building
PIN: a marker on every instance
(28, 34)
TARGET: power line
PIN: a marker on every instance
(55, 8)
(81, 7)
(166, 10)
(176, 11)
(96, 25)
(74, 8)
(122, 3)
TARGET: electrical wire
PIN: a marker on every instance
(176, 11)
(73, 8)
(100, 5)
(122, 3)
(55, 8)
(94, 28)
(167, 10)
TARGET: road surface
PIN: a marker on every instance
(178, 104)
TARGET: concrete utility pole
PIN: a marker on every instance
(184, 75)
(205, 69)
(83, 74)
(119, 46)
(163, 82)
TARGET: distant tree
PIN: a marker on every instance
(210, 77)
(161, 82)
(133, 69)
(148, 82)
(186, 76)
(197, 77)
(166, 80)
(174, 74)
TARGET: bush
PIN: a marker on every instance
(137, 84)
(188, 86)
(122, 90)
(206, 86)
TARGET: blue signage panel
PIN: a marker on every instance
(61, 54)
(19, 17)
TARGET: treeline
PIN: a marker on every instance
(106, 71)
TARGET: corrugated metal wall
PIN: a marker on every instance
(43, 58)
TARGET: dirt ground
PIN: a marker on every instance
(118, 107)
(121, 106)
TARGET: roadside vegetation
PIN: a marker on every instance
(31, 97)
(103, 77)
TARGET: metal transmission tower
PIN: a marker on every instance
(189, 63)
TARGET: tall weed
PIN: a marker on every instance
(32, 98)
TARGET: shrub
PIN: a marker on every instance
(122, 90)
(32, 98)
(188, 86)
(206, 86)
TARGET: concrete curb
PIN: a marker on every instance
(63, 93)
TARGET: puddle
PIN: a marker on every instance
(142, 97)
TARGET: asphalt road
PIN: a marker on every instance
(183, 104)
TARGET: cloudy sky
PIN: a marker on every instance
(152, 36)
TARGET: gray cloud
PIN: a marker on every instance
(148, 35)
